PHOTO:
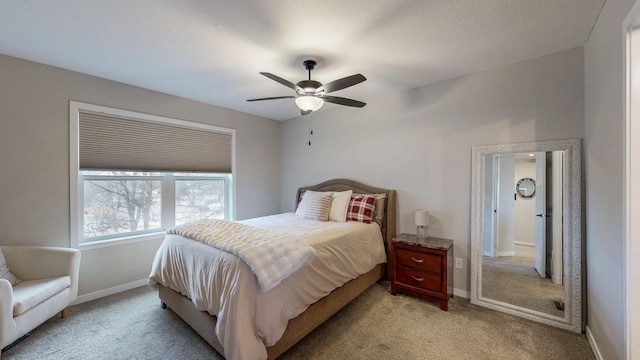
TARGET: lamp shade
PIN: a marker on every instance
(309, 102)
(422, 218)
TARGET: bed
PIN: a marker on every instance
(282, 330)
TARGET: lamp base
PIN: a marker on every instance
(422, 232)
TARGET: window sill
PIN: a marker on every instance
(91, 245)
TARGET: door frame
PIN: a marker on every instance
(631, 194)
(557, 165)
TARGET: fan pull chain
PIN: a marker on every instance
(310, 127)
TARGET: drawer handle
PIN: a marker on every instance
(417, 278)
(419, 261)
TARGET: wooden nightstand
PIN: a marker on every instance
(422, 267)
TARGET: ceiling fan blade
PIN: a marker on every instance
(273, 98)
(343, 101)
(340, 84)
(282, 81)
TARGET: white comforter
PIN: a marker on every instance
(271, 255)
(223, 285)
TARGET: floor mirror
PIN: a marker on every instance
(526, 230)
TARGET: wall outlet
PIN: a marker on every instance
(458, 263)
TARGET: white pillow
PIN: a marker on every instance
(301, 204)
(315, 205)
(340, 206)
(5, 273)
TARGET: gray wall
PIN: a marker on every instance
(604, 156)
(34, 161)
(419, 141)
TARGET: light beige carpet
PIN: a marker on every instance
(131, 325)
(514, 280)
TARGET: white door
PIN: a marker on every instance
(541, 206)
(505, 215)
(495, 203)
(489, 205)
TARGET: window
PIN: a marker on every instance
(199, 198)
(131, 175)
(116, 203)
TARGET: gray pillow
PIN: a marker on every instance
(5, 273)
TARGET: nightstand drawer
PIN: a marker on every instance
(418, 260)
(419, 279)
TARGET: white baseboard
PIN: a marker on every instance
(460, 293)
(110, 291)
(524, 243)
(593, 344)
(507, 253)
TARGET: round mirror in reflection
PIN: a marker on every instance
(526, 187)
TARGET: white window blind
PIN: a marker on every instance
(110, 142)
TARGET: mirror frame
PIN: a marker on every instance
(518, 188)
(571, 232)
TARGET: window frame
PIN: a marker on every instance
(76, 183)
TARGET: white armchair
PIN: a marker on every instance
(50, 284)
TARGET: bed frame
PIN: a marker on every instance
(204, 323)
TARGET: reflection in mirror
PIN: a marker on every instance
(519, 264)
(526, 249)
(526, 188)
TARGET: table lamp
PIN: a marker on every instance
(422, 222)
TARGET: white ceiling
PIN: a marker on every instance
(213, 50)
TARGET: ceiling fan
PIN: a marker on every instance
(311, 95)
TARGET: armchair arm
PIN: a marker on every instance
(38, 262)
(7, 324)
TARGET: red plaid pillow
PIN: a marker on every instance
(362, 208)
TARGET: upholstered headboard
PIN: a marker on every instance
(389, 220)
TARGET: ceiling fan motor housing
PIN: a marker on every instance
(309, 86)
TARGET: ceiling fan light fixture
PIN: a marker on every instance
(309, 103)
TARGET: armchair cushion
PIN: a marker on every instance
(30, 293)
(5, 273)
